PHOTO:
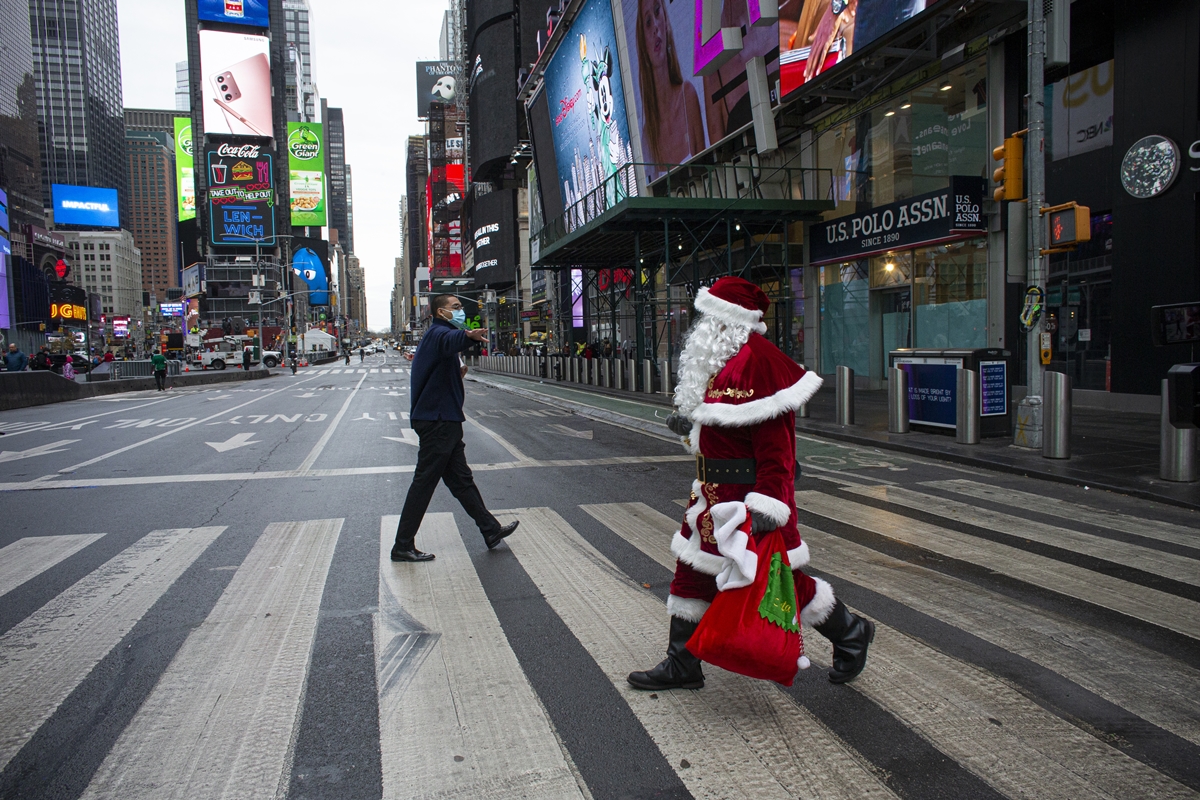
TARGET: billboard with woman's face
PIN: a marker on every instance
(682, 113)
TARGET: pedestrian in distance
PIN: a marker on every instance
(362, 354)
(246, 358)
(15, 360)
(160, 370)
(437, 417)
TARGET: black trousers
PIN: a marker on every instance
(441, 457)
(160, 378)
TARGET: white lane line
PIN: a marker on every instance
(1150, 605)
(222, 719)
(45, 656)
(29, 557)
(1168, 565)
(333, 372)
(172, 431)
(270, 475)
(1155, 687)
(41, 426)
(957, 706)
(457, 716)
(373, 371)
(742, 737)
(315, 453)
(1151, 529)
(510, 447)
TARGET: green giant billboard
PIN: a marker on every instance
(185, 180)
(306, 160)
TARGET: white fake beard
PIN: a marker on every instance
(708, 347)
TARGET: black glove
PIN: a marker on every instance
(760, 524)
(679, 424)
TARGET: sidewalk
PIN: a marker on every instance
(1108, 451)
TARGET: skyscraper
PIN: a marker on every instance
(152, 208)
(183, 95)
(20, 157)
(335, 136)
(297, 21)
(349, 243)
(77, 72)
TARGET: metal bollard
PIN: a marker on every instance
(845, 396)
(802, 412)
(1177, 446)
(966, 430)
(664, 367)
(606, 373)
(647, 376)
(618, 374)
(1056, 408)
(632, 374)
(897, 400)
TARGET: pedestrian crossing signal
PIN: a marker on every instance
(1011, 172)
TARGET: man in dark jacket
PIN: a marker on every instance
(437, 417)
(15, 360)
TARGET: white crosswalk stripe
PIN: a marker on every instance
(461, 713)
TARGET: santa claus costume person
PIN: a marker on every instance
(736, 410)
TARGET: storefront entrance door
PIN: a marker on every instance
(896, 316)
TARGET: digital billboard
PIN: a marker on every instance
(241, 194)
(492, 226)
(185, 177)
(681, 112)
(310, 262)
(493, 114)
(68, 305)
(85, 205)
(437, 82)
(587, 102)
(817, 35)
(192, 280)
(4, 211)
(306, 172)
(5, 256)
(235, 12)
(235, 78)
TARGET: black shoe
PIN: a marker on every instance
(411, 555)
(851, 635)
(493, 539)
(679, 670)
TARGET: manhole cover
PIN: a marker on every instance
(633, 468)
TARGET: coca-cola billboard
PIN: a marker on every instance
(241, 194)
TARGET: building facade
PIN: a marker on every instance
(335, 136)
(300, 82)
(77, 58)
(153, 209)
(183, 95)
(108, 264)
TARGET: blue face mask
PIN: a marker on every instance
(458, 317)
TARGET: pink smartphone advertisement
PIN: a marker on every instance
(236, 80)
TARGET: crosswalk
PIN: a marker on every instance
(361, 371)
(1036, 647)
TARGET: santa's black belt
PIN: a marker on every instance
(724, 470)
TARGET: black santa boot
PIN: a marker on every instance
(851, 635)
(679, 670)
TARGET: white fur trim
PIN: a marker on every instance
(756, 411)
(692, 515)
(774, 510)
(733, 542)
(688, 551)
(692, 442)
(709, 303)
(803, 663)
(798, 556)
(687, 608)
(819, 608)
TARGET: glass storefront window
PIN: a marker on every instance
(892, 269)
(950, 293)
(845, 314)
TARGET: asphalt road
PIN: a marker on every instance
(197, 603)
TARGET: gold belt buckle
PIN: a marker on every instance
(701, 469)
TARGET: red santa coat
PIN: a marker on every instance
(749, 411)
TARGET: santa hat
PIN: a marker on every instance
(736, 301)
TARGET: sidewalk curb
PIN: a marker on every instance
(849, 438)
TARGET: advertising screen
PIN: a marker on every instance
(235, 78)
(68, 305)
(541, 133)
(191, 280)
(493, 86)
(681, 112)
(587, 107)
(241, 194)
(310, 262)
(85, 205)
(5, 311)
(306, 172)
(437, 82)
(120, 327)
(170, 309)
(1079, 114)
(185, 177)
(4, 211)
(817, 35)
(235, 12)
(493, 219)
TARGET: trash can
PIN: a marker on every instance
(933, 387)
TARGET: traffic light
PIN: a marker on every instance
(1011, 172)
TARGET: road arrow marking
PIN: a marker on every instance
(565, 431)
(393, 394)
(307, 394)
(232, 443)
(409, 437)
(41, 450)
(221, 397)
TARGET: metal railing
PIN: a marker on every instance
(696, 181)
(141, 369)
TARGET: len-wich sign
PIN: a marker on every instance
(940, 216)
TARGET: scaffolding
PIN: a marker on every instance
(641, 259)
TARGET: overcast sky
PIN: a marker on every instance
(364, 54)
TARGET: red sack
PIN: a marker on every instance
(753, 629)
